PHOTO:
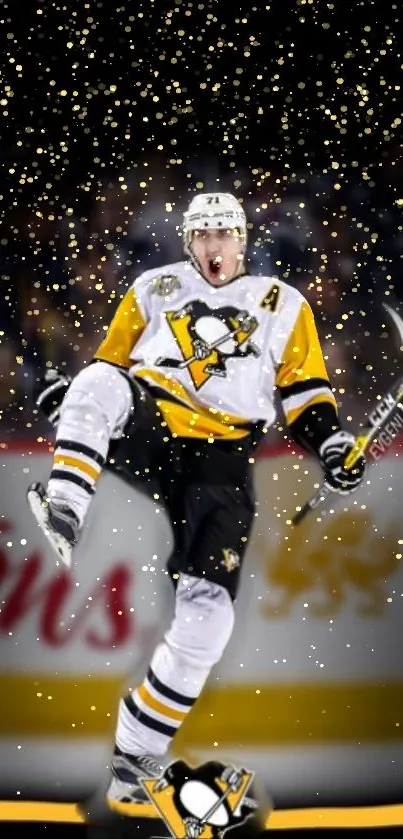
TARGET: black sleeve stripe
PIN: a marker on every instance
(301, 387)
(80, 448)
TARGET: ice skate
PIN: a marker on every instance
(57, 521)
(125, 789)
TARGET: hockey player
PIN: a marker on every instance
(183, 385)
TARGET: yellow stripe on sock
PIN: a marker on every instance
(66, 460)
(158, 706)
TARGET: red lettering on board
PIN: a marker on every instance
(28, 592)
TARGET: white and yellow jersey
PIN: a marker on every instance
(214, 356)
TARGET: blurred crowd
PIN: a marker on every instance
(339, 242)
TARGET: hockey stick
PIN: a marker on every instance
(376, 420)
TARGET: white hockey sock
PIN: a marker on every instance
(150, 716)
(76, 468)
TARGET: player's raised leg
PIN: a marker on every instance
(96, 408)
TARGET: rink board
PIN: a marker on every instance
(310, 690)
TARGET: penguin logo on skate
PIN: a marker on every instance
(204, 802)
(208, 338)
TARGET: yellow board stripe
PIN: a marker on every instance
(377, 816)
(38, 811)
(292, 714)
(65, 460)
(69, 706)
(256, 715)
(160, 707)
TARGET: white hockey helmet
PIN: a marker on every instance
(213, 210)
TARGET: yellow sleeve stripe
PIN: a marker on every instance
(294, 413)
(302, 357)
(123, 333)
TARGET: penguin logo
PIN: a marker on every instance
(207, 338)
(204, 802)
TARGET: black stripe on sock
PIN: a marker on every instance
(131, 706)
(70, 476)
(168, 692)
(301, 387)
(80, 449)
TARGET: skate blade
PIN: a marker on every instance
(58, 542)
(139, 800)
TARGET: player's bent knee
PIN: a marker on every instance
(204, 620)
(103, 385)
(99, 381)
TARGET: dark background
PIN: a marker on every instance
(112, 114)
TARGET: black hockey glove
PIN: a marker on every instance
(332, 454)
(49, 393)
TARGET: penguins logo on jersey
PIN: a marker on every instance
(207, 338)
(202, 802)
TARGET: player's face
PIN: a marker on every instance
(219, 254)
